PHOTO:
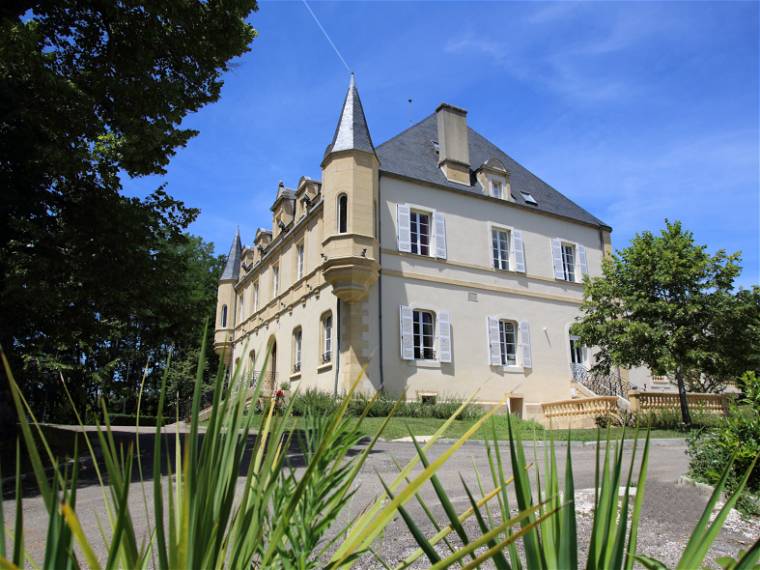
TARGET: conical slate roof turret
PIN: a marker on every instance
(232, 267)
(352, 132)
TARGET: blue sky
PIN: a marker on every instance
(637, 111)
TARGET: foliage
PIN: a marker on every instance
(661, 303)
(288, 515)
(738, 435)
(382, 406)
(665, 419)
(92, 281)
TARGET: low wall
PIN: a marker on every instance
(654, 401)
(578, 413)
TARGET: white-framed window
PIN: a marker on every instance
(500, 248)
(497, 187)
(508, 342)
(423, 335)
(299, 260)
(568, 261)
(326, 337)
(297, 338)
(275, 280)
(420, 232)
(578, 353)
(256, 296)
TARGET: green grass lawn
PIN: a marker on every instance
(399, 427)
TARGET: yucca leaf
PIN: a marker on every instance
(533, 552)
(468, 549)
(18, 533)
(76, 530)
(443, 498)
(650, 563)
(618, 554)
(417, 534)
(7, 564)
(504, 499)
(640, 486)
(568, 539)
(749, 559)
(696, 550)
(498, 557)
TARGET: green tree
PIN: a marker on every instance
(659, 303)
(91, 92)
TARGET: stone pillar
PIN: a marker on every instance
(354, 342)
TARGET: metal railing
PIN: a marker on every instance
(601, 384)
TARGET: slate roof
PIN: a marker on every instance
(352, 132)
(412, 154)
(232, 266)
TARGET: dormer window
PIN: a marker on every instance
(529, 199)
(497, 188)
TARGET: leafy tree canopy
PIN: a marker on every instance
(90, 92)
(664, 302)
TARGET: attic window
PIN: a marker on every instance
(528, 197)
(435, 147)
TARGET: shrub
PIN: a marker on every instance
(131, 420)
(739, 435)
(314, 400)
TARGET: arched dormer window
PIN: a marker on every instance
(224, 316)
(342, 214)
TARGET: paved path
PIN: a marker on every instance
(670, 510)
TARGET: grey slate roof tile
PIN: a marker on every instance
(232, 266)
(352, 132)
(412, 154)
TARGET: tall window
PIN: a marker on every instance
(342, 214)
(420, 233)
(422, 322)
(297, 335)
(327, 337)
(241, 309)
(299, 260)
(508, 343)
(275, 280)
(500, 246)
(224, 316)
(568, 261)
(577, 351)
(497, 188)
(256, 296)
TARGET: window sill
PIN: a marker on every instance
(514, 369)
(324, 367)
(425, 363)
(296, 375)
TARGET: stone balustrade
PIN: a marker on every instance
(654, 401)
(577, 413)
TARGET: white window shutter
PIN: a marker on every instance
(439, 223)
(557, 257)
(518, 251)
(403, 223)
(406, 332)
(494, 347)
(527, 358)
(582, 259)
(444, 336)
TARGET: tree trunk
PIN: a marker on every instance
(682, 398)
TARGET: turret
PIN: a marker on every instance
(349, 186)
(225, 301)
